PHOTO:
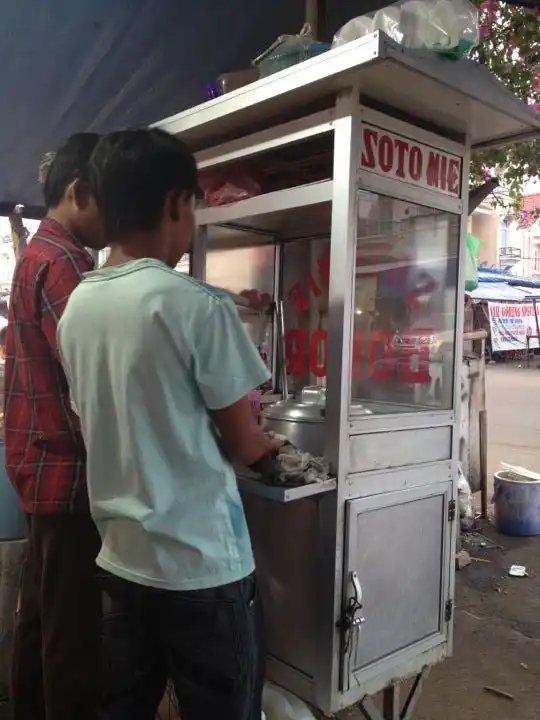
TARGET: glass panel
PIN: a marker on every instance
(248, 272)
(405, 306)
(305, 293)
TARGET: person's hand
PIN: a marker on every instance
(275, 441)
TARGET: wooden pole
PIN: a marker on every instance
(312, 16)
(484, 502)
(535, 310)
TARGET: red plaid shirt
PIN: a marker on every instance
(45, 454)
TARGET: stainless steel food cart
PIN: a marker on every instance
(368, 255)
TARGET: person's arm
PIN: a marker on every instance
(240, 434)
(62, 278)
(227, 366)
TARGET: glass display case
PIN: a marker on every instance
(404, 313)
(405, 306)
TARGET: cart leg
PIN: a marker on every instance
(391, 706)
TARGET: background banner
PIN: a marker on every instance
(511, 323)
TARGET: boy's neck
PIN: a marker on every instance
(137, 247)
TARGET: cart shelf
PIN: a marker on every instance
(269, 215)
(284, 495)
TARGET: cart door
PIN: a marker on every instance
(400, 461)
(396, 578)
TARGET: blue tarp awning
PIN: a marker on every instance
(500, 276)
(497, 292)
(74, 66)
(502, 292)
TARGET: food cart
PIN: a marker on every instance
(363, 239)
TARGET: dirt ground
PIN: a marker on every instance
(497, 621)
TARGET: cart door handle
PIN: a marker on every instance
(357, 618)
(357, 588)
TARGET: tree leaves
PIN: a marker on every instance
(510, 48)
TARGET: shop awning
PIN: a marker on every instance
(502, 292)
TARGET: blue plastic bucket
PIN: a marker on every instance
(12, 520)
(517, 505)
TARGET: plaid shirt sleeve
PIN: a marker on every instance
(62, 278)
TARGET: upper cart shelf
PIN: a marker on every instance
(459, 96)
(292, 213)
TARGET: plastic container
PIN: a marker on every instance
(280, 704)
(12, 520)
(517, 504)
(282, 60)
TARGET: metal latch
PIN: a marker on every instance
(451, 511)
(353, 617)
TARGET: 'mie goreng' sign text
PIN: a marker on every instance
(400, 158)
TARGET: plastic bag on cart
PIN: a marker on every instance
(471, 263)
(449, 27)
(229, 185)
(279, 704)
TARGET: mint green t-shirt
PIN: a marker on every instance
(148, 352)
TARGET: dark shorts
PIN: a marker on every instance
(207, 642)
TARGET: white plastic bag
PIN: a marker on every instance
(465, 501)
(279, 704)
(446, 26)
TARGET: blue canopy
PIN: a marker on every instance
(74, 66)
(500, 276)
(498, 292)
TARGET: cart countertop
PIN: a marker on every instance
(458, 96)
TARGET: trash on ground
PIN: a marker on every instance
(481, 560)
(498, 693)
(518, 571)
(462, 559)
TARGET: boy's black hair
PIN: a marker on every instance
(133, 172)
(70, 163)
(3, 333)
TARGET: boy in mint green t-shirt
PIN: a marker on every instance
(159, 367)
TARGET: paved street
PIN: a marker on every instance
(513, 403)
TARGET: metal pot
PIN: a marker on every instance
(314, 394)
(301, 423)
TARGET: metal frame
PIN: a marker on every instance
(347, 145)
(359, 424)
(342, 425)
(332, 72)
(343, 74)
(289, 133)
(369, 484)
(460, 316)
(391, 705)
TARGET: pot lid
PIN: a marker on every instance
(293, 411)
